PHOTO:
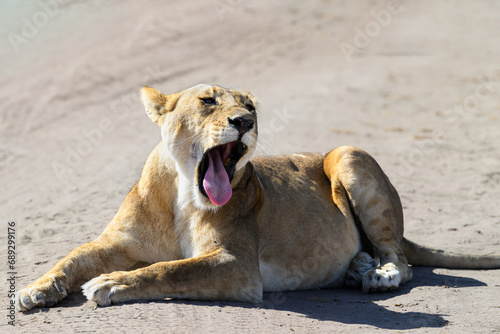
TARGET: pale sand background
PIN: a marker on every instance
(422, 96)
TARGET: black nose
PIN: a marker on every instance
(243, 125)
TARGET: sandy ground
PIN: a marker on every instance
(416, 84)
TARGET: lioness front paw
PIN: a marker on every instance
(47, 291)
(359, 266)
(382, 278)
(105, 289)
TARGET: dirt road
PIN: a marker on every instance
(415, 83)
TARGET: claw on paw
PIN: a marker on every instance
(103, 290)
(382, 279)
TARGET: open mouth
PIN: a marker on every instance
(216, 170)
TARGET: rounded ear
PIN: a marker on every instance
(254, 100)
(156, 103)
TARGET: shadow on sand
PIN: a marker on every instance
(353, 307)
(337, 305)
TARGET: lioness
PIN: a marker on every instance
(212, 224)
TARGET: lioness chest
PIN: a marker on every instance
(304, 239)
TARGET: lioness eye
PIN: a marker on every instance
(209, 101)
(250, 107)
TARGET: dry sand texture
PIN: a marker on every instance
(415, 83)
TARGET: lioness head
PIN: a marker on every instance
(210, 132)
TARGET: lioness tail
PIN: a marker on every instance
(423, 256)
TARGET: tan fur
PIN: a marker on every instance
(300, 221)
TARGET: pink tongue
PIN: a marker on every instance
(216, 181)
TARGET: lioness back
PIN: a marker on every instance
(304, 239)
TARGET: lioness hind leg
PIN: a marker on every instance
(361, 189)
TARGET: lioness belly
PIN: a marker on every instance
(304, 240)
